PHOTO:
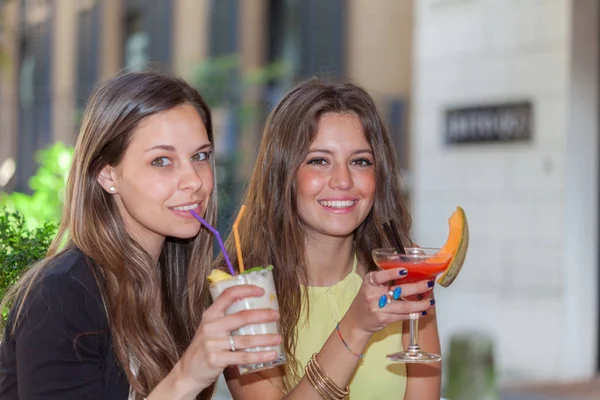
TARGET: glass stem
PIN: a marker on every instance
(414, 333)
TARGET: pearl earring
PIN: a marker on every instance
(112, 188)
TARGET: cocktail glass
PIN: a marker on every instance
(422, 263)
(264, 279)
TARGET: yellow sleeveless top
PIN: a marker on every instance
(375, 376)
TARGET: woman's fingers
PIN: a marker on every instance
(412, 289)
(408, 307)
(229, 296)
(241, 342)
(385, 276)
(227, 358)
(246, 317)
(407, 298)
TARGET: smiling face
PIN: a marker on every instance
(165, 172)
(336, 181)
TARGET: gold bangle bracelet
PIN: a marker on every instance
(332, 388)
(339, 391)
(322, 383)
(318, 386)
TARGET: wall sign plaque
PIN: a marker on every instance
(489, 123)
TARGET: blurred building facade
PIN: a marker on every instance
(58, 50)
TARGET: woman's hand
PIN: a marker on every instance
(210, 350)
(371, 311)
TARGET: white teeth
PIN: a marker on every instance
(338, 203)
(186, 208)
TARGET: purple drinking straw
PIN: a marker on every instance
(216, 233)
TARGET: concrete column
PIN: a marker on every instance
(111, 38)
(9, 90)
(380, 58)
(580, 269)
(253, 32)
(190, 35)
(253, 52)
(380, 45)
(64, 70)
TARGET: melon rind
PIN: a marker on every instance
(458, 259)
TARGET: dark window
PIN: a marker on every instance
(87, 54)
(35, 105)
(137, 41)
(148, 33)
(395, 111)
(309, 35)
(323, 33)
(159, 23)
(223, 27)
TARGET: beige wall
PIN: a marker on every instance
(111, 53)
(253, 32)
(253, 41)
(8, 84)
(379, 45)
(190, 36)
(64, 43)
(380, 57)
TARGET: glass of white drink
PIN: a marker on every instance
(263, 278)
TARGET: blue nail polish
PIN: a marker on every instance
(403, 272)
(430, 283)
(424, 313)
(432, 301)
(397, 292)
(382, 301)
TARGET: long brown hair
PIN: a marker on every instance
(272, 233)
(147, 333)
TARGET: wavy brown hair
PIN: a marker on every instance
(272, 232)
(145, 332)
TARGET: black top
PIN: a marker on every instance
(62, 346)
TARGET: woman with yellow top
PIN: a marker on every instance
(325, 181)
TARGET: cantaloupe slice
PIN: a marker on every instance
(457, 245)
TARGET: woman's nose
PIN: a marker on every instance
(341, 178)
(190, 179)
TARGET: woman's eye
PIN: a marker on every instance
(201, 156)
(363, 162)
(317, 161)
(161, 162)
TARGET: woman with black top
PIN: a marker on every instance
(119, 308)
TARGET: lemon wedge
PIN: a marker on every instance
(216, 275)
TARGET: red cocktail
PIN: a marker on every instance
(422, 263)
(417, 272)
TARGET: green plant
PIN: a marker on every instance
(46, 202)
(224, 84)
(214, 78)
(20, 246)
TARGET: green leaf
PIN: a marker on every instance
(48, 185)
(20, 245)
